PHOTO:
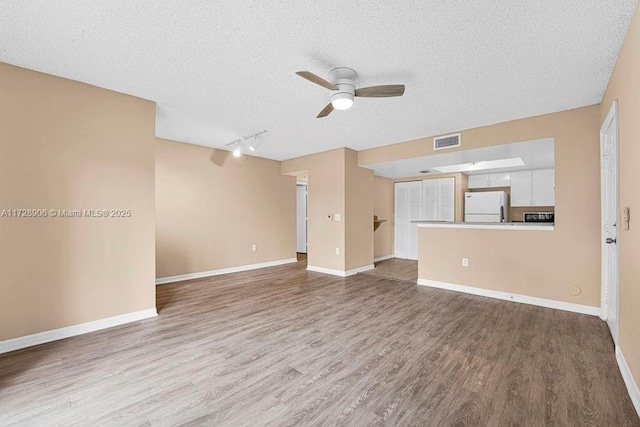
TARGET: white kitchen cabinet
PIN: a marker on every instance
(430, 200)
(490, 180)
(533, 188)
(544, 187)
(478, 181)
(521, 188)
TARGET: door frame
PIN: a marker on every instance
(609, 121)
(306, 221)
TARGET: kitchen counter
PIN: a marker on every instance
(520, 226)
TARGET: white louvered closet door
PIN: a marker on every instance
(401, 221)
(415, 213)
(430, 199)
(446, 199)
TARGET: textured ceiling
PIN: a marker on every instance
(220, 70)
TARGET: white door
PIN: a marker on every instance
(430, 199)
(446, 199)
(401, 221)
(609, 182)
(301, 217)
(415, 213)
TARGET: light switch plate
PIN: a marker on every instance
(337, 217)
(465, 262)
(626, 217)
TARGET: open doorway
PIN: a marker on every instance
(301, 220)
(610, 220)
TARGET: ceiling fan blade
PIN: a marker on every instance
(317, 80)
(380, 91)
(325, 111)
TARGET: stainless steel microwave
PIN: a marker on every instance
(538, 217)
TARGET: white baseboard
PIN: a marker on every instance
(189, 276)
(382, 258)
(359, 270)
(71, 331)
(525, 299)
(632, 386)
(340, 273)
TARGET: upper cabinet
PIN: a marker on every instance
(533, 188)
(490, 180)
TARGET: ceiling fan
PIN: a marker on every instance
(344, 89)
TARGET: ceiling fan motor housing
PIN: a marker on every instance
(344, 79)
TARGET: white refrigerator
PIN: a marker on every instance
(486, 206)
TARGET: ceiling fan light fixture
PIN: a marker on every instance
(342, 101)
(343, 86)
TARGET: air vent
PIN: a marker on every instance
(447, 141)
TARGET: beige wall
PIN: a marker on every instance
(211, 207)
(540, 264)
(358, 213)
(67, 145)
(333, 176)
(624, 86)
(383, 207)
(325, 196)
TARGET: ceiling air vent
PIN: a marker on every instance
(447, 141)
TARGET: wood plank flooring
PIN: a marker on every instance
(396, 268)
(282, 346)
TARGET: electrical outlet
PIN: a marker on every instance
(254, 248)
(337, 251)
(337, 217)
(465, 262)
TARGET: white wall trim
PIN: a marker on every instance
(340, 273)
(326, 270)
(513, 226)
(199, 275)
(382, 258)
(525, 299)
(359, 270)
(632, 387)
(71, 331)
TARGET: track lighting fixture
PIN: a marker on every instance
(253, 145)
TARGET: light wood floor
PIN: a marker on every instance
(396, 268)
(283, 346)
